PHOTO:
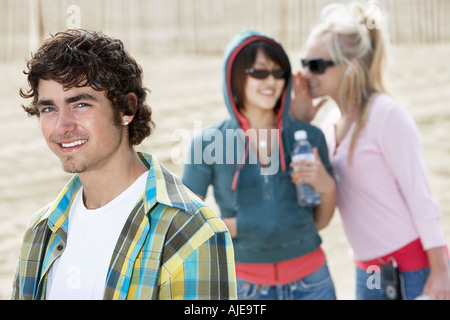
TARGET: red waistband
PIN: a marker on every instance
(408, 258)
(282, 272)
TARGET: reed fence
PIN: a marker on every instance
(155, 27)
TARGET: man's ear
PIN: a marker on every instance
(132, 101)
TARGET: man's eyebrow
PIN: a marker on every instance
(78, 97)
(44, 102)
(82, 96)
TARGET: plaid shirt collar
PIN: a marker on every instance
(160, 188)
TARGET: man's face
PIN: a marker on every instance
(78, 126)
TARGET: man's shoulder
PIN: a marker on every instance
(181, 206)
(36, 226)
(196, 216)
(203, 218)
(38, 216)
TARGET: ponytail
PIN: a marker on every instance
(376, 66)
(375, 22)
(356, 35)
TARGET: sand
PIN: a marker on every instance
(187, 95)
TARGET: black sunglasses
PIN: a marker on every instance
(317, 66)
(262, 74)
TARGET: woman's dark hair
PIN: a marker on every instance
(78, 58)
(246, 58)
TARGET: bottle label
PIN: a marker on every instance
(304, 156)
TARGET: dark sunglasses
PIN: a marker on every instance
(317, 66)
(262, 74)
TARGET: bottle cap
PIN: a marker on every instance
(300, 135)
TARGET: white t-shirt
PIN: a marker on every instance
(80, 272)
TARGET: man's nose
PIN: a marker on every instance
(66, 122)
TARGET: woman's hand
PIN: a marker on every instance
(315, 174)
(302, 107)
(437, 286)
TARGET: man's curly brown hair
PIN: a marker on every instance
(77, 58)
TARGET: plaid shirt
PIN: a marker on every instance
(171, 247)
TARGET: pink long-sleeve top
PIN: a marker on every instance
(384, 195)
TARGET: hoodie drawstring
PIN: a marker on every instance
(241, 120)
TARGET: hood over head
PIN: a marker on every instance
(232, 50)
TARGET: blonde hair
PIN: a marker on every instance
(356, 37)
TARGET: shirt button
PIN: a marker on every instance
(59, 247)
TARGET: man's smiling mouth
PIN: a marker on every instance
(73, 144)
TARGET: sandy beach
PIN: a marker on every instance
(186, 91)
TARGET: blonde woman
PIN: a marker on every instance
(389, 214)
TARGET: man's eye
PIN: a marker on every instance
(46, 110)
(82, 105)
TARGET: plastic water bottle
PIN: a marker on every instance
(307, 196)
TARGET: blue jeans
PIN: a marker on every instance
(316, 286)
(369, 286)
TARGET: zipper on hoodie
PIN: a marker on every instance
(266, 183)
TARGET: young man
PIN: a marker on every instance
(124, 227)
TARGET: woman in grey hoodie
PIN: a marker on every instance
(247, 160)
